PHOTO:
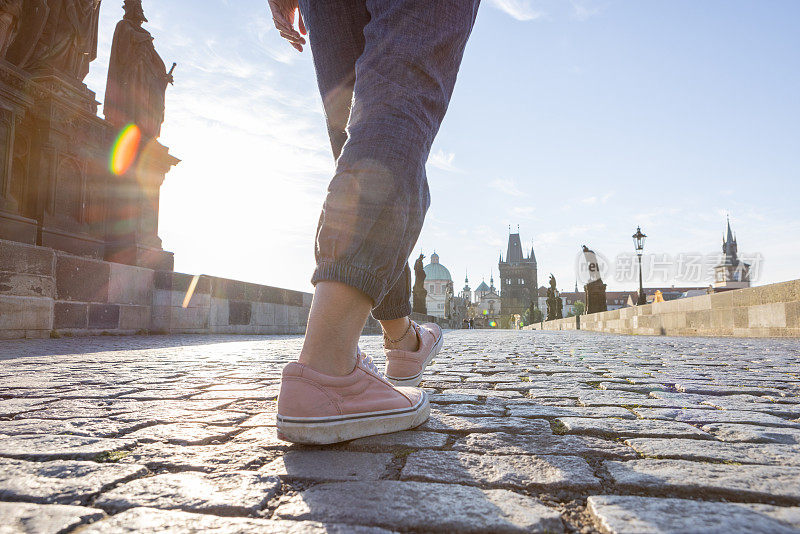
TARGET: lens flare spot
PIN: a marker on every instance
(493, 324)
(190, 291)
(125, 149)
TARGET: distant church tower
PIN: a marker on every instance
(466, 292)
(731, 273)
(518, 278)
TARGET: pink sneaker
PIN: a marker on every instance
(321, 409)
(405, 368)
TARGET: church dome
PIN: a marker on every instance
(482, 287)
(436, 271)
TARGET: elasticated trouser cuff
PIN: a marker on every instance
(395, 304)
(357, 277)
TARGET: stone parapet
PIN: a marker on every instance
(45, 292)
(765, 311)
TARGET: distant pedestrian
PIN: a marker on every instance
(386, 71)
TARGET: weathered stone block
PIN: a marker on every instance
(51, 447)
(183, 433)
(26, 313)
(104, 316)
(26, 285)
(767, 315)
(70, 315)
(409, 439)
(26, 259)
(21, 517)
(650, 515)
(152, 521)
(793, 314)
(134, 317)
(130, 285)
(82, 279)
(263, 313)
(226, 493)
(742, 481)
(66, 482)
(281, 315)
(189, 319)
(218, 313)
(329, 465)
(690, 449)
(239, 312)
(445, 508)
(515, 471)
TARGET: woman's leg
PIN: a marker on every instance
(375, 206)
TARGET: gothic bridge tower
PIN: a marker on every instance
(518, 278)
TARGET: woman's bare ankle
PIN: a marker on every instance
(398, 334)
(337, 317)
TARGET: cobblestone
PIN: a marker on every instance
(530, 431)
(62, 482)
(647, 515)
(526, 472)
(223, 493)
(329, 465)
(44, 518)
(422, 506)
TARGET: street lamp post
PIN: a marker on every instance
(638, 243)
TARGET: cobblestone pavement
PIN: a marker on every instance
(530, 431)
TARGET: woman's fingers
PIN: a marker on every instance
(283, 18)
(302, 23)
(293, 38)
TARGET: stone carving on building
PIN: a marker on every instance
(595, 288)
(555, 308)
(10, 13)
(419, 293)
(137, 76)
(57, 35)
(21, 28)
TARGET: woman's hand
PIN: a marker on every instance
(283, 17)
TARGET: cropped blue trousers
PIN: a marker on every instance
(386, 71)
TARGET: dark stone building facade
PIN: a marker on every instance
(518, 278)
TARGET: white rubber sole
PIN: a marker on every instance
(336, 429)
(414, 381)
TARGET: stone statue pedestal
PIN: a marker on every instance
(419, 302)
(56, 189)
(595, 297)
(132, 235)
(15, 99)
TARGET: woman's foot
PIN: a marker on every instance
(321, 409)
(405, 367)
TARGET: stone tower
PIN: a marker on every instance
(732, 273)
(518, 278)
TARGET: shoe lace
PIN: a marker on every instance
(369, 363)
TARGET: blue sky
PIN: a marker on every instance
(576, 120)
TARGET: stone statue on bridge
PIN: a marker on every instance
(58, 35)
(21, 28)
(595, 288)
(555, 308)
(137, 77)
(419, 293)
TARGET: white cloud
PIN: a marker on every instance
(507, 187)
(444, 161)
(586, 9)
(519, 9)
